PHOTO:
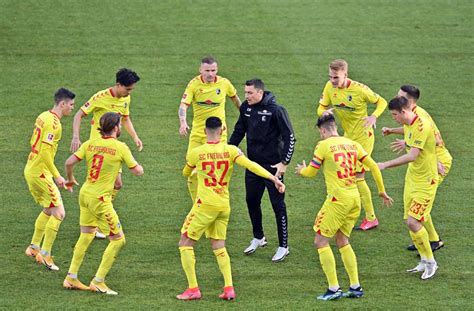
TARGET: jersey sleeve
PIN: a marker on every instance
(127, 108)
(315, 164)
(190, 164)
(89, 106)
(188, 95)
(128, 157)
(252, 166)
(361, 153)
(50, 133)
(81, 152)
(231, 91)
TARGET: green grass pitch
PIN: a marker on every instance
(48, 44)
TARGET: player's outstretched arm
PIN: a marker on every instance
(306, 171)
(137, 170)
(183, 124)
(255, 168)
(127, 123)
(377, 175)
(389, 130)
(411, 156)
(76, 130)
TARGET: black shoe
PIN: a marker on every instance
(411, 247)
(435, 245)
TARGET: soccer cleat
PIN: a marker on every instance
(430, 270)
(31, 252)
(419, 268)
(254, 244)
(330, 295)
(280, 254)
(190, 294)
(71, 283)
(368, 224)
(100, 287)
(99, 235)
(47, 261)
(412, 247)
(354, 292)
(228, 294)
(435, 245)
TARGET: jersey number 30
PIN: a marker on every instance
(347, 161)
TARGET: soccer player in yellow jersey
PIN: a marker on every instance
(421, 179)
(43, 177)
(349, 100)
(214, 164)
(207, 94)
(104, 157)
(412, 94)
(341, 209)
(114, 99)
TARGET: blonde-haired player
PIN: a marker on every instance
(339, 157)
(349, 100)
(104, 157)
(43, 177)
(445, 160)
(206, 93)
(214, 164)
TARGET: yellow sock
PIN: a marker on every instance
(366, 199)
(350, 263)
(192, 186)
(80, 250)
(50, 233)
(423, 243)
(412, 235)
(328, 263)
(40, 226)
(428, 224)
(188, 261)
(223, 260)
(110, 254)
(114, 193)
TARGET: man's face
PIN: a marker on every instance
(208, 72)
(411, 101)
(124, 91)
(67, 106)
(337, 78)
(399, 116)
(253, 95)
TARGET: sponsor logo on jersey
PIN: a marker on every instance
(265, 113)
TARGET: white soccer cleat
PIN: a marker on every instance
(419, 268)
(430, 270)
(280, 254)
(254, 244)
(99, 235)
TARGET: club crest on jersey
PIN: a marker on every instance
(264, 118)
(125, 105)
(218, 91)
(349, 98)
(50, 137)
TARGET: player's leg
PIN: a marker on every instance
(279, 208)
(217, 232)
(254, 188)
(52, 226)
(369, 221)
(325, 228)
(40, 226)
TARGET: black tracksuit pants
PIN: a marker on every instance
(254, 188)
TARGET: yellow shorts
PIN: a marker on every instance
(213, 223)
(447, 167)
(337, 214)
(44, 190)
(368, 145)
(418, 201)
(99, 212)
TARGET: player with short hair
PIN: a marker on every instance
(43, 177)
(342, 207)
(412, 94)
(113, 99)
(104, 157)
(214, 164)
(421, 179)
(349, 100)
(206, 93)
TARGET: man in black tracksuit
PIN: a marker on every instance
(270, 143)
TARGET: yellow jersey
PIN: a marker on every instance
(102, 102)
(214, 164)
(442, 153)
(44, 144)
(340, 156)
(104, 157)
(420, 134)
(350, 105)
(207, 100)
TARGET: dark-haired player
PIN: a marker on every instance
(43, 177)
(339, 157)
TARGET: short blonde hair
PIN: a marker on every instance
(338, 65)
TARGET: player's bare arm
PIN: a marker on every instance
(76, 130)
(389, 130)
(183, 125)
(69, 166)
(411, 156)
(236, 100)
(398, 145)
(137, 170)
(127, 123)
